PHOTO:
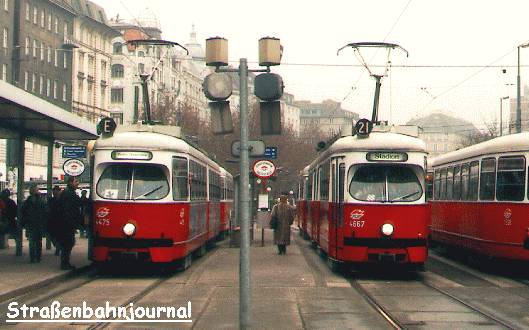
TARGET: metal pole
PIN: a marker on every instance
(244, 270)
(501, 116)
(518, 101)
(21, 148)
(374, 117)
(49, 182)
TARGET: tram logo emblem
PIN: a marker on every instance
(102, 212)
(357, 214)
(507, 214)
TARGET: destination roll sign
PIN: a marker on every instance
(387, 156)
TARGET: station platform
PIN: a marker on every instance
(20, 276)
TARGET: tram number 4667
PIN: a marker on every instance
(357, 223)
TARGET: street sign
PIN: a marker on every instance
(106, 126)
(270, 152)
(73, 152)
(363, 127)
(264, 169)
(73, 167)
(256, 148)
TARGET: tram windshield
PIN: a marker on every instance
(133, 181)
(385, 183)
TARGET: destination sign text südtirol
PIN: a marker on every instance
(387, 156)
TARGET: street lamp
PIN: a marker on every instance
(518, 100)
(501, 113)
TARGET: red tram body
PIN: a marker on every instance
(363, 200)
(155, 197)
(480, 200)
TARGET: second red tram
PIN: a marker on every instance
(155, 197)
(364, 200)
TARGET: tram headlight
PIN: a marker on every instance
(129, 229)
(387, 229)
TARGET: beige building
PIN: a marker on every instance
(328, 116)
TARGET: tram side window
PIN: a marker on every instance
(457, 183)
(324, 182)
(473, 182)
(450, 183)
(464, 181)
(511, 179)
(437, 184)
(214, 186)
(487, 179)
(198, 181)
(309, 187)
(442, 193)
(180, 186)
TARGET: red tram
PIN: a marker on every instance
(155, 197)
(364, 200)
(480, 200)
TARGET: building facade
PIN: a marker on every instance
(524, 107)
(328, 116)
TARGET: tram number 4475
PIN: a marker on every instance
(357, 223)
(103, 222)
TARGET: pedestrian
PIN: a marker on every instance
(54, 220)
(70, 220)
(85, 212)
(9, 213)
(34, 216)
(285, 217)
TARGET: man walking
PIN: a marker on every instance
(70, 206)
(285, 217)
(34, 215)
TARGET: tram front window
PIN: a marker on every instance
(382, 183)
(133, 181)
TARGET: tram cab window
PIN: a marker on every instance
(133, 181)
(385, 183)
(487, 179)
(511, 179)
(180, 184)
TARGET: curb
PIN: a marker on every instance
(57, 278)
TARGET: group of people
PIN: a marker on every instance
(59, 217)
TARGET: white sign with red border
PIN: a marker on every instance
(73, 167)
(264, 169)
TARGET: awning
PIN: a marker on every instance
(24, 112)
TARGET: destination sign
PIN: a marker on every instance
(131, 155)
(387, 156)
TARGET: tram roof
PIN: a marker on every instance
(508, 143)
(376, 141)
(150, 141)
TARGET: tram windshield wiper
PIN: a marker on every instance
(405, 196)
(148, 192)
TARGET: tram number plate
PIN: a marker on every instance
(357, 223)
(129, 255)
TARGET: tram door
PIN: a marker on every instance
(337, 181)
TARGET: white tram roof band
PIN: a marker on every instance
(503, 144)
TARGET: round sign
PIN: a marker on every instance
(73, 167)
(264, 169)
(363, 127)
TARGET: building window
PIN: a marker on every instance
(117, 48)
(35, 14)
(41, 85)
(49, 54)
(27, 11)
(116, 95)
(26, 52)
(64, 92)
(42, 18)
(117, 71)
(103, 100)
(48, 87)
(6, 5)
(118, 117)
(55, 89)
(64, 60)
(49, 22)
(4, 72)
(65, 29)
(56, 58)
(26, 80)
(141, 68)
(103, 70)
(56, 25)
(33, 82)
(42, 47)
(91, 95)
(4, 38)
(34, 48)
(80, 90)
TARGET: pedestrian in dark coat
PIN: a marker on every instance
(9, 213)
(70, 206)
(285, 216)
(54, 220)
(34, 216)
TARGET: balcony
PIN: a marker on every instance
(68, 42)
(90, 112)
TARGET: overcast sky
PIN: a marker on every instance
(441, 34)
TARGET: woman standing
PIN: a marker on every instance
(285, 217)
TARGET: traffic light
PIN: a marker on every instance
(269, 89)
(218, 88)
